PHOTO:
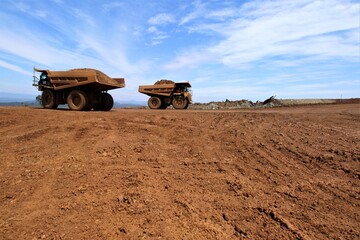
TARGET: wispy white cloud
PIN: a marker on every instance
(222, 14)
(41, 51)
(231, 91)
(58, 1)
(157, 36)
(23, 7)
(152, 29)
(227, 49)
(79, 40)
(314, 90)
(14, 68)
(112, 6)
(196, 12)
(191, 59)
(236, 89)
(268, 29)
(86, 18)
(161, 19)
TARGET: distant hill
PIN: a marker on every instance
(23, 103)
(6, 97)
(36, 104)
(134, 104)
(19, 99)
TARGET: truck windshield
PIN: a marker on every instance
(43, 76)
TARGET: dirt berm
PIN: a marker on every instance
(268, 103)
(281, 173)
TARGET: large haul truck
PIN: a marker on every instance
(81, 89)
(166, 92)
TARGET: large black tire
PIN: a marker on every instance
(90, 101)
(97, 107)
(154, 103)
(48, 99)
(180, 102)
(107, 102)
(77, 100)
(187, 105)
(163, 106)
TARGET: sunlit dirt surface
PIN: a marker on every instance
(279, 173)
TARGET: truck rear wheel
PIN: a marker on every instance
(163, 106)
(48, 99)
(77, 100)
(90, 101)
(187, 105)
(107, 102)
(154, 103)
(180, 102)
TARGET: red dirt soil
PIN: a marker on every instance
(286, 173)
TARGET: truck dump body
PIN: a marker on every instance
(78, 77)
(160, 89)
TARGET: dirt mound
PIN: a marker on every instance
(268, 103)
(238, 104)
(164, 81)
(272, 173)
(349, 100)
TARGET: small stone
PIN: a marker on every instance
(122, 230)
(240, 232)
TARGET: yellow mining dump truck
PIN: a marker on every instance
(82, 89)
(166, 92)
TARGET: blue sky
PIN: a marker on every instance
(227, 49)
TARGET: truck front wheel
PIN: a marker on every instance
(48, 99)
(180, 102)
(154, 103)
(77, 100)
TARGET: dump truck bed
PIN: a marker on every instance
(161, 89)
(79, 77)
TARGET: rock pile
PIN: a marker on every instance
(164, 81)
(227, 104)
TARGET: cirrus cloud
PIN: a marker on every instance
(161, 19)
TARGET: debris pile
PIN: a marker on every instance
(228, 104)
(164, 81)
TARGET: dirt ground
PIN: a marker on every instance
(279, 173)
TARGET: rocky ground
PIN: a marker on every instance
(270, 173)
(268, 103)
